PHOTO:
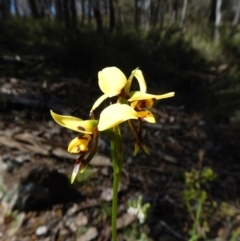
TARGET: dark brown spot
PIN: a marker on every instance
(124, 94)
(143, 103)
(81, 128)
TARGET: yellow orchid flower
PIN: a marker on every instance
(85, 144)
(83, 160)
(130, 106)
(140, 100)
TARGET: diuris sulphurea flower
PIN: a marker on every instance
(130, 106)
(85, 145)
(139, 101)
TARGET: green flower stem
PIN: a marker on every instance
(195, 235)
(116, 176)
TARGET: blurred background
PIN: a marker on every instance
(50, 55)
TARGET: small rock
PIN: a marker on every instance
(81, 219)
(171, 119)
(106, 194)
(71, 224)
(41, 230)
(104, 171)
(91, 234)
(71, 211)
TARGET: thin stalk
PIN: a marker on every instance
(116, 176)
(195, 235)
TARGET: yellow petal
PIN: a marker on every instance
(138, 95)
(114, 115)
(146, 115)
(79, 144)
(98, 102)
(74, 123)
(111, 81)
(141, 81)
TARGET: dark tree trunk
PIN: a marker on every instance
(155, 9)
(97, 14)
(46, 8)
(73, 13)
(89, 11)
(5, 9)
(34, 9)
(111, 16)
(212, 16)
(119, 16)
(83, 11)
(98, 18)
(59, 10)
(174, 11)
(15, 3)
(66, 13)
(136, 14)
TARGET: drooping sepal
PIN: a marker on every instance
(76, 167)
(137, 132)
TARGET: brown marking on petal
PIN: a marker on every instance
(78, 160)
(78, 148)
(143, 103)
(124, 94)
(137, 108)
(81, 128)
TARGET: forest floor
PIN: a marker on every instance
(38, 203)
